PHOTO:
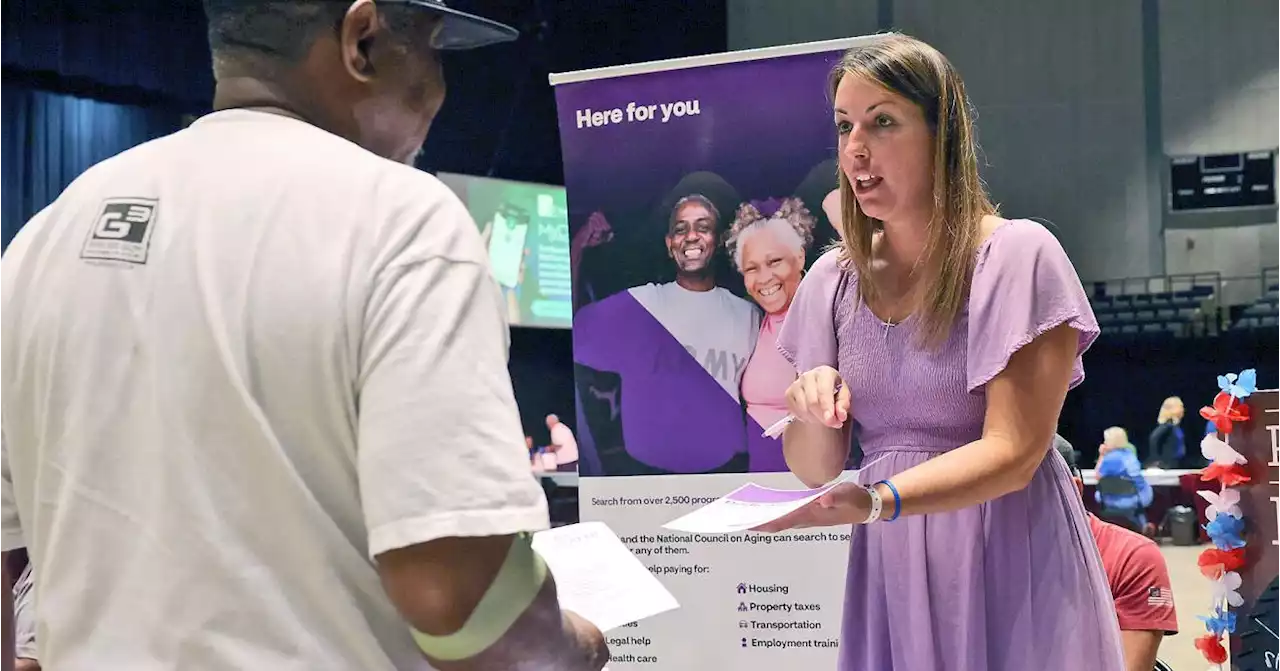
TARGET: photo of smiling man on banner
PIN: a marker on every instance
(680, 345)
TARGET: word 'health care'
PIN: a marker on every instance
(632, 113)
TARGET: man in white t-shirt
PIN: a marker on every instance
(256, 406)
(717, 328)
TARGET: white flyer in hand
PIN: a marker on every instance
(598, 578)
(752, 505)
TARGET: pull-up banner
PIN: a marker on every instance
(698, 192)
(1255, 643)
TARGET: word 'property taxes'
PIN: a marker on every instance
(633, 113)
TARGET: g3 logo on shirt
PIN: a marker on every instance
(122, 231)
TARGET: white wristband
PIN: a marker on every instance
(877, 505)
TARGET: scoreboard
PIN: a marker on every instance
(1219, 181)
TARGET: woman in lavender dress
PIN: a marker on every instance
(949, 337)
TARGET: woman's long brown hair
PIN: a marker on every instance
(922, 75)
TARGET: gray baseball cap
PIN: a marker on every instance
(461, 30)
(457, 31)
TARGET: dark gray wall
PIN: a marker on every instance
(1079, 102)
(1219, 95)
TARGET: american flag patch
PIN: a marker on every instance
(1157, 596)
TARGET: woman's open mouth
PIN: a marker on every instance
(865, 183)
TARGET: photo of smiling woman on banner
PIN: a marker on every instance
(768, 243)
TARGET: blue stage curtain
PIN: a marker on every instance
(156, 46)
(49, 139)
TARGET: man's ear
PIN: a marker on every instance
(360, 26)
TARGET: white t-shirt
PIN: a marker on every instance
(716, 327)
(566, 444)
(238, 362)
(24, 617)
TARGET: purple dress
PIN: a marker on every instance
(1014, 584)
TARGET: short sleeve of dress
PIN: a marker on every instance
(808, 335)
(1023, 286)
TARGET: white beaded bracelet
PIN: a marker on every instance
(877, 505)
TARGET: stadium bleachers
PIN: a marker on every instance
(1179, 305)
(1263, 312)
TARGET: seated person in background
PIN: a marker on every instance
(1117, 461)
(563, 444)
(1139, 581)
(561, 454)
(1118, 438)
(24, 624)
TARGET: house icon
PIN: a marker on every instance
(742, 588)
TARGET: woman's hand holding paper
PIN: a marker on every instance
(846, 503)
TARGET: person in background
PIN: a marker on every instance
(1118, 460)
(25, 655)
(563, 443)
(768, 242)
(256, 406)
(1167, 445)
(1118, 438)
(561, 454)
(1139, 581)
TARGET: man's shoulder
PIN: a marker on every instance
(1125, 550)
(735, 300)
(419, 217)
(405, 186)
(125, 165)
(1138, 577)
(748, 313)
(737, 303)
(738, 306)
(322, 169)
(645, 294)
(606, 307)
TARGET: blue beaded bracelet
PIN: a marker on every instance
(897, 499)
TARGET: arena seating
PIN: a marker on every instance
(1262, 313)
(1173, 305)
